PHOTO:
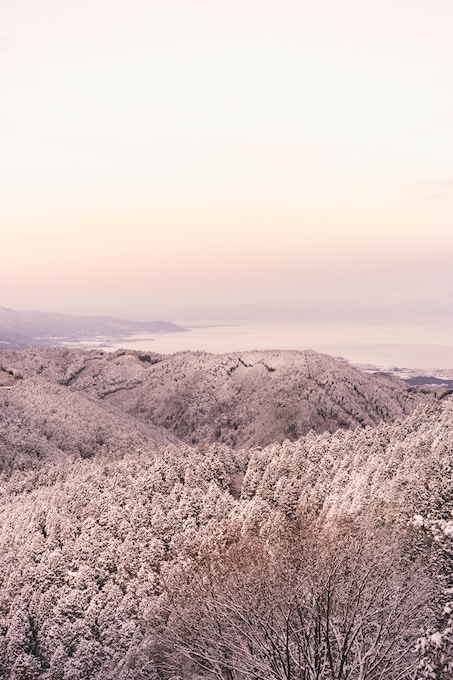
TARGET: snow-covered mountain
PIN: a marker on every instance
(127, 553)
(42, 422)
(241, 399)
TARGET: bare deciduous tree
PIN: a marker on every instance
(327, 606)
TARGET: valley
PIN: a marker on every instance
(148, 501)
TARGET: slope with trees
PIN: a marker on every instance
(241, 399)
(147, 566)
(40, 421)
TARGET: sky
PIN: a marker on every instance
(293, 157)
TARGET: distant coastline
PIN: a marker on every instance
(383, 346)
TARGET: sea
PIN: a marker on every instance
(394, 344)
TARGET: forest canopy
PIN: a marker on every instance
(140, 556)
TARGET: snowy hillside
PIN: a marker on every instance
(126, 553)
(241, 399)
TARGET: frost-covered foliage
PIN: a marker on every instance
(245, 399)
(306, 603)
(436, 645)
(40, 420)
(387, 470)
(123, 556)
(81, 549)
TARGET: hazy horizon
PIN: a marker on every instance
(283, 158)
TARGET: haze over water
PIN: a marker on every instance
(234, 152)
(407, 344)
(188, 153)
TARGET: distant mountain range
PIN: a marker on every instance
(37, 329)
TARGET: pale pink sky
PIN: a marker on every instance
(195, 152)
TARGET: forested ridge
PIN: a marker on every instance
(241, 399)
(127, 553)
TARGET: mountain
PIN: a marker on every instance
(429, 380)
(146, 566)
(43, 422)
(255, 398)
(241, 399)
(26, 329)
(126, 552)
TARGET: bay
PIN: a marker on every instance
(389, 344)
